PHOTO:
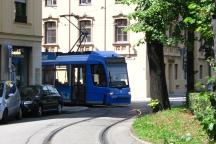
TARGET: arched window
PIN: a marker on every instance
(50, 32)
(120, 35)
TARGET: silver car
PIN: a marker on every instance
(10, 101)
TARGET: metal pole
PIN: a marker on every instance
(69, 26)
(104, 25)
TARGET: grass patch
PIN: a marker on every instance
(171, 126)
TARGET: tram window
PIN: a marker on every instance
(76, 75)
(79, 75)
(61, 74)
(98, 75)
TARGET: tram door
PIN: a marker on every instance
(79, 84)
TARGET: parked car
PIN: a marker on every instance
(10, 101)
(37, 99)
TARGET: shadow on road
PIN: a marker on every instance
(70, 112)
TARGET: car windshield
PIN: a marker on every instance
(29, 91)
(1, 89)
(118, 76)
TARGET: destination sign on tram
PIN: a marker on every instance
(115, 60)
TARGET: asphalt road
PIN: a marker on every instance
(94, 125)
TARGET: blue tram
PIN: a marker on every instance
(88, 78)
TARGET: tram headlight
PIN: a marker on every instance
(110, 94)
(129, 93)
(28, 102)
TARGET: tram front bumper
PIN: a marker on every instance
(118, 99)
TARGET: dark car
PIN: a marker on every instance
(37, 99)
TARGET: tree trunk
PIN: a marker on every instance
(158, 86)
(190, 65)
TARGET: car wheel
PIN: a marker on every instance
(39, 111)
(19, 114)
(5, 116)
(59, 109)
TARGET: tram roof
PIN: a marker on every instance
(78, 58)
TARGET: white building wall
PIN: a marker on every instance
(137, 62)
(103, 22)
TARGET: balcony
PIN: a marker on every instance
(85, 47)
(172, 51)
(124, 49)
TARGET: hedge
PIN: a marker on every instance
(203, 106)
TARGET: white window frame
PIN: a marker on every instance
(120, 36)
(51, 3)
(21, 1)
(51, 29)
(87, 28)
(85, 2)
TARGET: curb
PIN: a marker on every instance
(135, 137)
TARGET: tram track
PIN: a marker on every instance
(103, 135)
(48, 138)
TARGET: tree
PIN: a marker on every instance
(198, 20)
(154, 18)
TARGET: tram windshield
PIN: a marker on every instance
(118, 76)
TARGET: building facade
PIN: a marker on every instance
(20, 41)
(175, 59)
(65, 24)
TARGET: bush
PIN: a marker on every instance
(154, 104)
(203, 106)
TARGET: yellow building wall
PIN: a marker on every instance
(22, 35)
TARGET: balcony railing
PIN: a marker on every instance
(124, 49)
(172, 51)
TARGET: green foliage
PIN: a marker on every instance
(175, 126)
(154, 104)
(204, 111)
(199, 17)
(203, 104)
(156, 17)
